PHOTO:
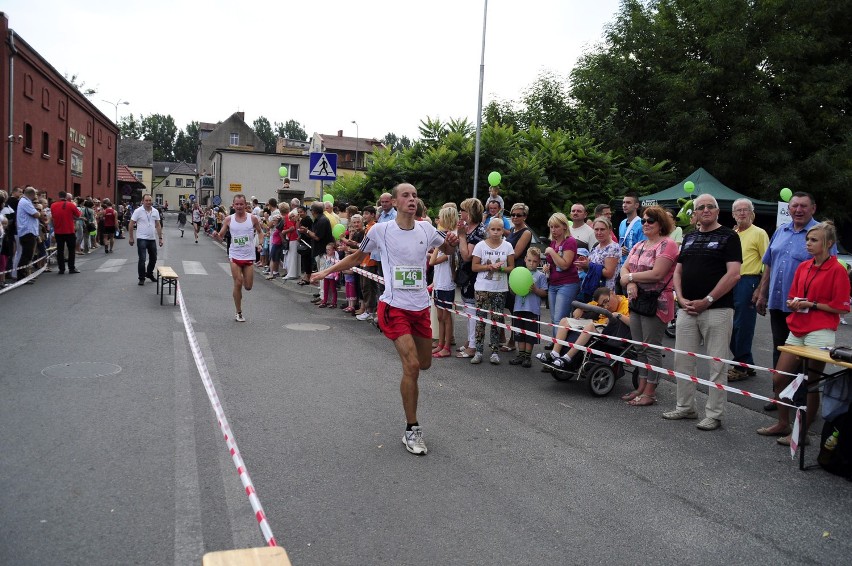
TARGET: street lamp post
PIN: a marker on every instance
(116, 105)
(357, 139)
(479, 107)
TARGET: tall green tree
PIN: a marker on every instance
(759, 93)
(162, 131)
(396, 143)
(263, 129)
(130, 128)
(186, 144)
(291, 129)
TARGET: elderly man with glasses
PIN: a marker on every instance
(707, 270)
(754, 242)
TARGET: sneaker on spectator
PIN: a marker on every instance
(364, 316)
(413, 440)
(477, 358)
(678, 414)
(494, 359)
(545, 357)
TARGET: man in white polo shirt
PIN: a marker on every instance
(149, 230)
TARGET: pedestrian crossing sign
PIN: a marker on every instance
(323, 166)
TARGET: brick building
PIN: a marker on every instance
(55, 138)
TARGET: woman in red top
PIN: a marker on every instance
(818, 296)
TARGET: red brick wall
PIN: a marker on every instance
(45, 104)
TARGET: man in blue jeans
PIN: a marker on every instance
(149, 230)
(754, 242)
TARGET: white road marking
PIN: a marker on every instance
(111, 266)
(244, 528)
(193, 268)
(189, 540)
(226, 267)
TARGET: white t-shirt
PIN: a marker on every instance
(146, 228)
(403, 255)
(585, 235)
(492, 281)
(443, 278)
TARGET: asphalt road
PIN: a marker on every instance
(129, 467)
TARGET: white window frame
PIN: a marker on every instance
(234, 138)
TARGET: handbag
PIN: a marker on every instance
(303, 248)
(646, 303)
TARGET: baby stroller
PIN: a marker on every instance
(599, 372)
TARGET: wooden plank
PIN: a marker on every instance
(263, 556)
(811, 353)
(167, 272)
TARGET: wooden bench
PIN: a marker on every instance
(265, 556)
(166, 276)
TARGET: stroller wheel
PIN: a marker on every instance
(601, 379)
(671, 329)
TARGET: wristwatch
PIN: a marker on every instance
(630, 277)
(710, 299)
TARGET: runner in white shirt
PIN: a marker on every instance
(243, 227)
(403, 310)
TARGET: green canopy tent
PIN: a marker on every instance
(705, 183)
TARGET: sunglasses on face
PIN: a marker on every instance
(648, 221)
(701, 207)
(516, 215)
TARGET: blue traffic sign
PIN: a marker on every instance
(323, 166)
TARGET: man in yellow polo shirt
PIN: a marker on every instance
(754, 242)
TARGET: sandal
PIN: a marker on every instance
(630, 396)
(464, 354)
(437, 348)
(504, 348)
(785, 441)
(772, 431)
(638, 401)
(444, 353)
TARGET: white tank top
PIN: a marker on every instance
(242, 239)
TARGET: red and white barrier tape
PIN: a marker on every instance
(228, 434)
(788, 393)
(625, 340)
(29, 277)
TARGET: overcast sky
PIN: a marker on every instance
(385, 63)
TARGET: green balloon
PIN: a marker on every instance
(282, 171)
(786, 194)
(844, 264)
(494, 178)
(689, 186)
(520, 281)
(338, 231)
(328, 198)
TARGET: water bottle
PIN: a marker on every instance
(828, 448)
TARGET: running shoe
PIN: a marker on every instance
(545, 357)
(239, 317)
(413, 440)
(477, 358)
(494, 359)
(365, 316)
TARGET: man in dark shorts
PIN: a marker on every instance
(404, 306)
